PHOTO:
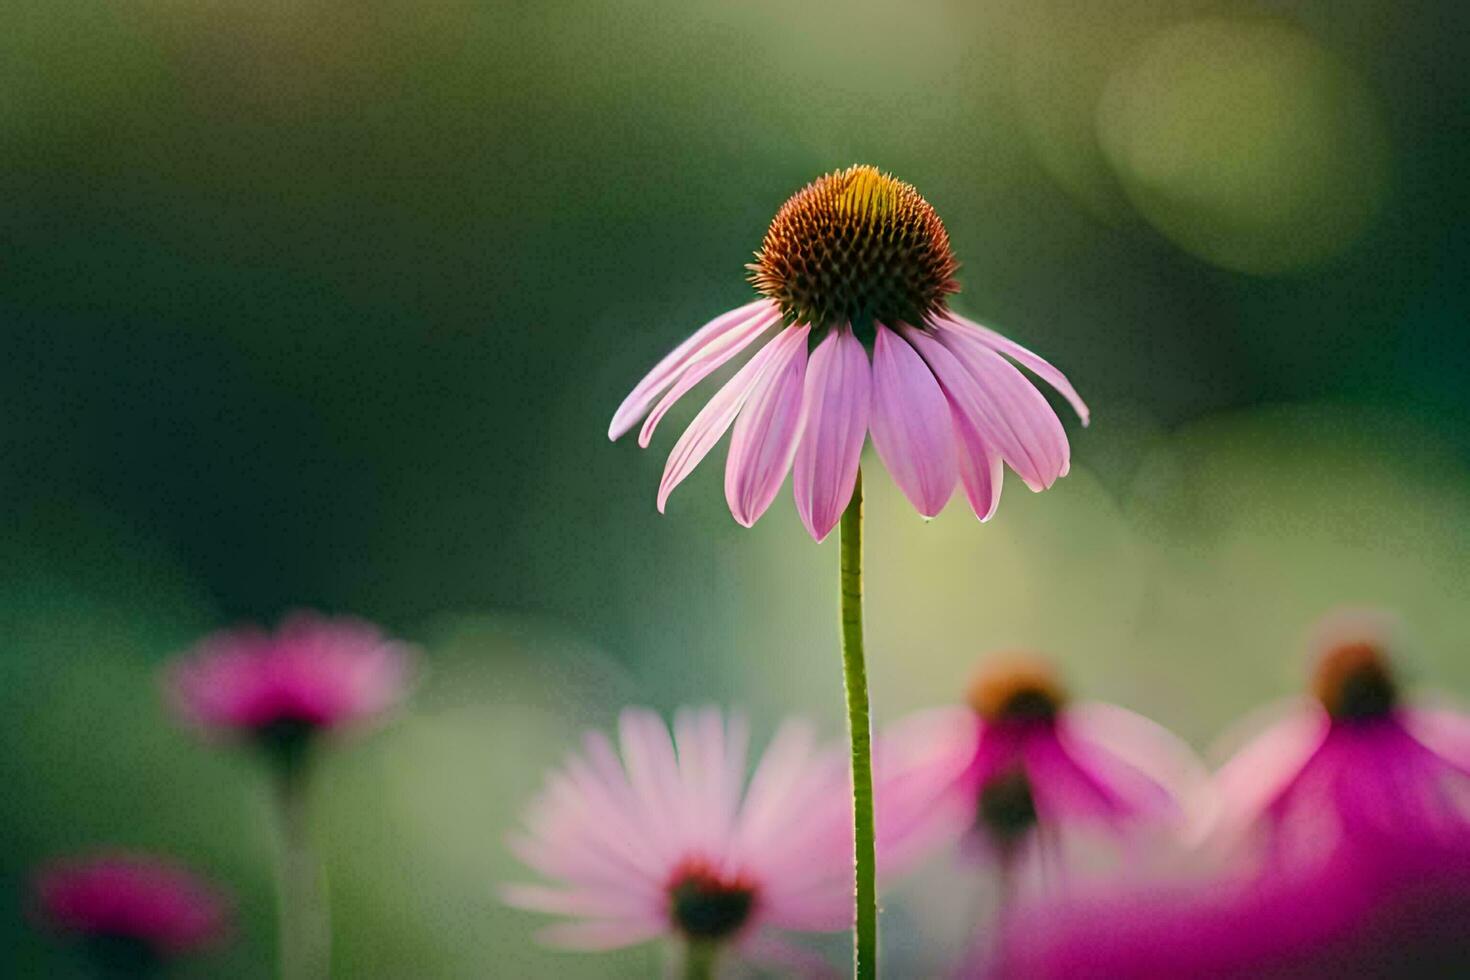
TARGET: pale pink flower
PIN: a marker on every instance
(312, 673)
(1020, 767)
(670, 840)
(150, 902)
(856, 338)
(1353, 765)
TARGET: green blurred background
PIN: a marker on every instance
(328, 303)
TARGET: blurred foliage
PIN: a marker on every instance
(327, 302)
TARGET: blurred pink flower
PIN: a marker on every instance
(312, 673)
(859, 264)
(1019, 768)
(136, 898)
(670, 841)
(1396, 909)
(1351, 765)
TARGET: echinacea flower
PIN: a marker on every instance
(669, 841)
(855, 338)
(131, 911)
(312, 674)
(280, 692)
(1351, 766)
(1395, 910)
(1018, 768)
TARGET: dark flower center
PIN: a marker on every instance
(1006, 810)
(286, 741)
(856, 245)
(1355, 683)
(703, 905)
(1016, 689)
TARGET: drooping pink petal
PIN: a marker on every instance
(981, 472)
(1152, 751)
(1015, 415)
(766, 433)
(924, 798)
(1444, 730)
(712, 421)
(581, 901)
(706, 362)
(837, 401)
(597, 935)
(911, 423)
(1259, 774)
(668, 369)
(1033, 362)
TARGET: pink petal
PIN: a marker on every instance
(1032, 362)
(911, 424)
(1444, 730)
(924, 796)
(601, 934)
(837, 400)
(704, 363)
(1262, 772)
(669, 368)
(764, 441)
(713, 420)
(1152, 751)
(981, 472)
(1016, 416)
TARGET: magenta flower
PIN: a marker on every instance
(1352, 764)
(1392, 910)
(130, 907)
(856, 338)
(311, 674)
(1020, 767)
(669, 840)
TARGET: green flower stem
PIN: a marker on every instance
(305, 930)
(699, 959)
(859, 730)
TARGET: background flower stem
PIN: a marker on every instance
(699, 959)
(855, 676)
(305, 930)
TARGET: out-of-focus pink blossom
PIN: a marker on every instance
(312, 673)
(1020, 767)
(668, 840)
(1388, 910)
(1351, 765)
(131, 897)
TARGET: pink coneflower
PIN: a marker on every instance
(280, 691)
(858, 339)
(130, 909)
(313, 673)
(1020, 767)
(1352, 764)
(669, 841)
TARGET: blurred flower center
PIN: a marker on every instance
(706, 905)
(1006, 809)
(1018, 689)
(856, 246)
(1354, 682)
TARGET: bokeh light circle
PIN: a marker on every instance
(1246, 143)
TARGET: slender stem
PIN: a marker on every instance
(305, 930)
(859, 731)
(699, 959)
